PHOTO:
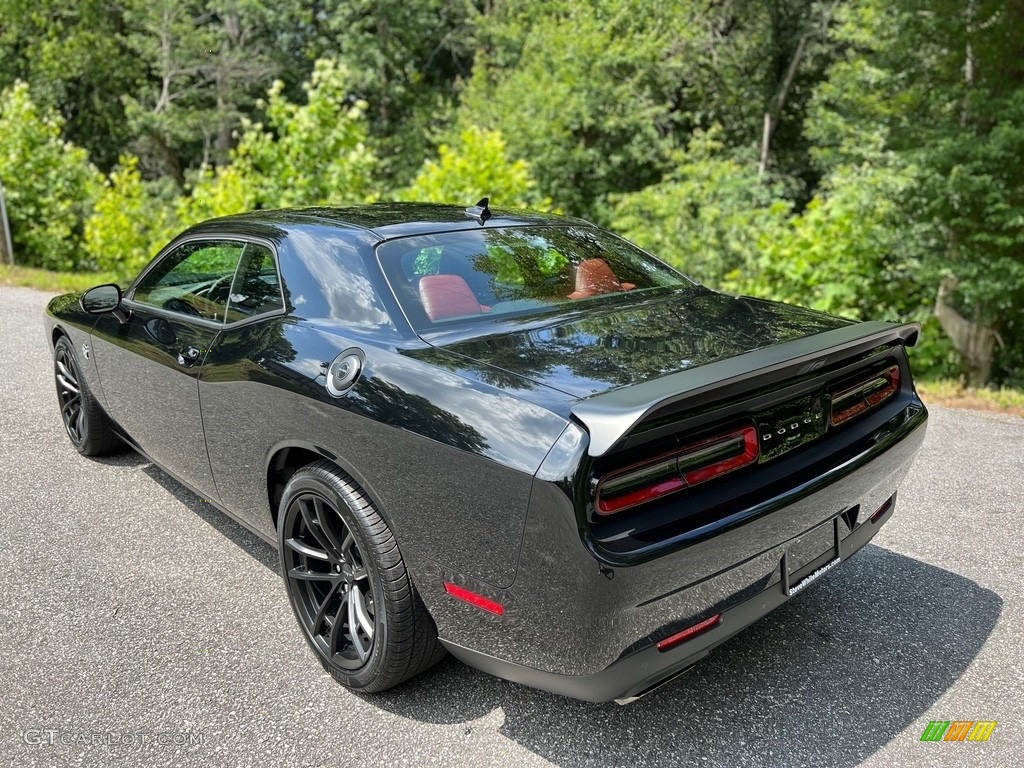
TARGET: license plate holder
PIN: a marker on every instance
(810, 555)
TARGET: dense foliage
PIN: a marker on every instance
(859, 156)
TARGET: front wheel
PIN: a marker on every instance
(84, 421)
(348, 585)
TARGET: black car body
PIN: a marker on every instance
(590, 484)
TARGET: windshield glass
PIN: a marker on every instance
(459, 277)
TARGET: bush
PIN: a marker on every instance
(49, 183)
(131, 221)
(309, 154)
(223, 192)
(710, 218)
(478, 166)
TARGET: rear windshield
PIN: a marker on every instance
(461, 277)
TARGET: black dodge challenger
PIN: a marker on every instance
(510, 436)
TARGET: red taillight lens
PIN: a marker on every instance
(639, 483)
(680, 637)
(693, 464)
(865, 395)
(468, 596)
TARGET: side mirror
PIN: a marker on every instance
(103, 299)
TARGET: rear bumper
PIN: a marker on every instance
(646, 669)
(581, 626)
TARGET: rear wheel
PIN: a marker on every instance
(348, 585)
(87, 426)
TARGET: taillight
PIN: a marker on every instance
(670, 472)
(865, 395)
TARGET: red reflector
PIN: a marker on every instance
(882, 510)
(473, 598)
(673, 640)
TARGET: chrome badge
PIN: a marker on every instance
(790, 425)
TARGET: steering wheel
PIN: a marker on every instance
(215, 286)
(178, 305)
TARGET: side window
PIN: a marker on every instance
(256, 289)
(193, 279)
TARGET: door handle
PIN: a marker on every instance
(189, 357)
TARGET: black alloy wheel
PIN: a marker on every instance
(348, 585)
(328, 576)
(86, 424)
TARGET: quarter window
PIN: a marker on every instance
(256, 289)
(194, 279)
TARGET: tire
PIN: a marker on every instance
(86, 424)
(348, 585)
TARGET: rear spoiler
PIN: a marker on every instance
(611, 416)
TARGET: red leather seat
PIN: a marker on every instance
(446, 296)
(593, 277)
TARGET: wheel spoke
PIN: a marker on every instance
(353, 620)
(336, 632)
(361, 615)
(346, 548)
(304, 549)
(69, 408)
(327, 518)
(65, 371)
(312, 519)
(321, 613)
(304, 573)
(67, 384)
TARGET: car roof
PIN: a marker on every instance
(384, 220)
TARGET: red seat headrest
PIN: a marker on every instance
(446, 296)
(594, 276)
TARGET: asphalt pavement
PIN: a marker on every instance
(140, 626)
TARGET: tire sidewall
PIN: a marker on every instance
(311, 481)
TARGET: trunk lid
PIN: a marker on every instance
(633, 361)
(588, 353)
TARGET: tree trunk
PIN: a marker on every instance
(771, 117)
(222, 142)
(976, 344)
(224, 82)
(6, 247)
(168, 158)
(774, 113)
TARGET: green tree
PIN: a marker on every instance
(313, 153)
(131, 221)
(49, 183)
(209, 62)
(583, 92)
(847, 252)
(75, 57)
(710, 217)
(220, 191)
(405, 58)
(936, 86)
(476, 167)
